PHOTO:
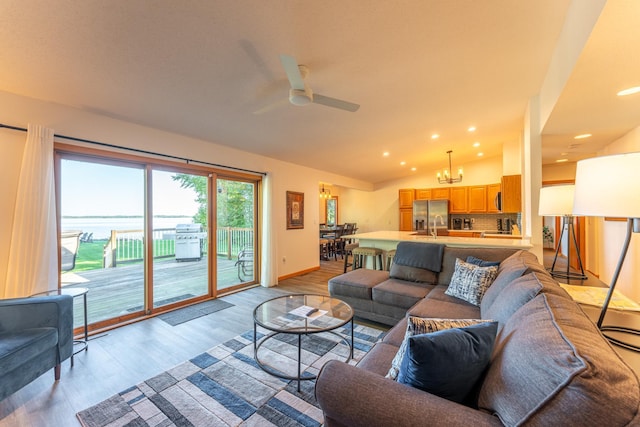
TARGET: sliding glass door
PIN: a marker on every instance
(179, 235)
(147, 237)
(102, 216)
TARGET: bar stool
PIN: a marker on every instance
(348, 250)
(390, 255)
(360, 255)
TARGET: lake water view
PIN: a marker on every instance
(101, 226)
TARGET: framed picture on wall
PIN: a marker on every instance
(295, 210)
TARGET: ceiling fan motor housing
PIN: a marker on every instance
(301, 97)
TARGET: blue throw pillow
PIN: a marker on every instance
(448, 363)
(482, 263)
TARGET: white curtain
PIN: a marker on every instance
(269, 270)
(33, 255)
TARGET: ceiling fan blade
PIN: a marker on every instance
(271, 107)
(335, 103)
(293, 72)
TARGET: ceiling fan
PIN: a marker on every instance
(301, 94)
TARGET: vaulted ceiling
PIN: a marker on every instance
(211, 70)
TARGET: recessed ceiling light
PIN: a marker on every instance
(480, 154)
(562, 160)
(476, 144)
(385, 154)
(435, 136)
(471, 129)
(413, 169)
(402, 163)
(629, 91)
(564, 153)
(582, 136)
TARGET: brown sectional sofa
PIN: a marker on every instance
(550, 364)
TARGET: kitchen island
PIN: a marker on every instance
(388, 240)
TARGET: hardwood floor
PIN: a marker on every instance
(130, 354)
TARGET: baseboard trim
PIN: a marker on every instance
(298, 273)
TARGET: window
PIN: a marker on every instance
(332, 211)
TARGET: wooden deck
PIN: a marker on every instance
(119, 291)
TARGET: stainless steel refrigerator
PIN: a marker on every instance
(428, 212)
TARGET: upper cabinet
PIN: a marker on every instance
(458, 200)
(477, 199)
(511, 194)
(406, 197)
(423, 193)
(440, 193)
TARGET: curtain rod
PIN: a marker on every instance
(169, 156)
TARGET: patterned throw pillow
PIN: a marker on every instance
(418, 326)
(469, 282)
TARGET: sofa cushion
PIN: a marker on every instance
(399, 293)
(550, 360)
(427, 256)
(379, 358)
(413, 274)
(517, 293)
(470, 281)
(438, 304)
(448, 363)
(357, 283)
(16, 348)
(451, 253)
(508, 271)
(417, 326)
(481, 262)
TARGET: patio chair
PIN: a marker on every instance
(69, 243)
(245, 264)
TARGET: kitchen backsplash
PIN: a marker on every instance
(488, 221)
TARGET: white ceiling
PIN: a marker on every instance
(211, 70)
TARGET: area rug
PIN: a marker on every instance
(225, 387)
(182, 315)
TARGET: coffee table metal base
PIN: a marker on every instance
(300, 376)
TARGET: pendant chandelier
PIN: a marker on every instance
(445, 178)
(325, 194)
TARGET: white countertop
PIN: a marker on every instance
(388, 238)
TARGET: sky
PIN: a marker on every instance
(93, 189)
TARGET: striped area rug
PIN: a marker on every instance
(225, 387)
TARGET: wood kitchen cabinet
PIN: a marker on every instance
(440, 193)
(458, 200)
(511, 194)
(492, 193)
(406, 197)
(406, 219)
(423, 194)
(477, 199)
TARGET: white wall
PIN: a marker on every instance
(300, 247)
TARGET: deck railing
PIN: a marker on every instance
(127, 246)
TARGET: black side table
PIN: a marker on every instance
(83, 344)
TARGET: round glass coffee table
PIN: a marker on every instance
(300, 315)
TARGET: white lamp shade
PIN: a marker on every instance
(608, 186)
(556, 200)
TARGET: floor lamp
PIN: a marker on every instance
(609, 186)
(557, 200)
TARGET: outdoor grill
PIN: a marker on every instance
(188, 242)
